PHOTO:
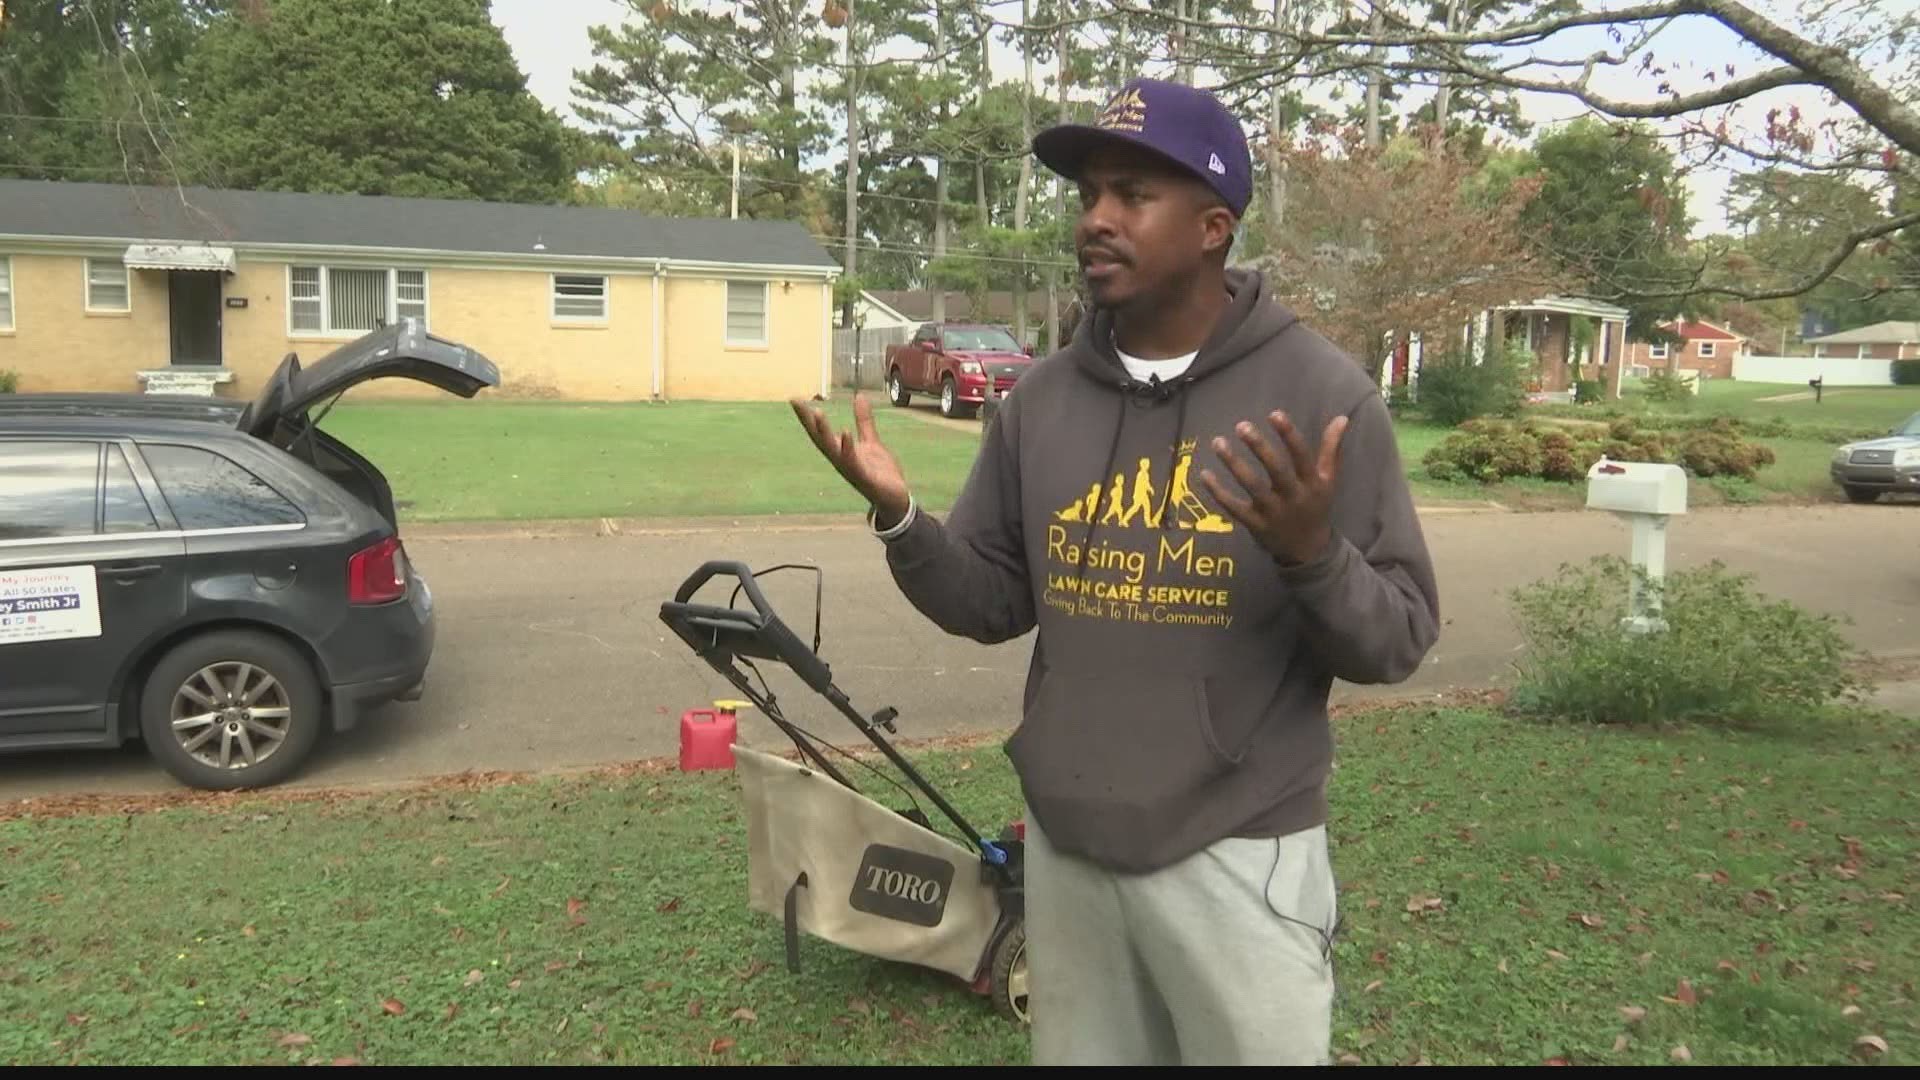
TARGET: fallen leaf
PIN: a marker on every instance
(1350, 1059)
(441, 860)
(393, 1007)
(1419, 904)
(245, 931)
(1375, 985)
(1797, 825)
(1591, 922)
(78, 1019)
(473, 978)
(1727, 966)
(1556, 1061)
(1869, 1046)
(504, 882)
(694, 1008)
(1685, 994)
(1373, 903)
(1556, 954)
(1501, 967)
(575, 906)
(1851, 1010)
(1633, 1014)
(453, 1010)
(720, 1046)
(293, 1039)
(1681, 1053)
(754, 970)
(1763, 948)
(1866, 966)
(745, 1015)
(556, 965)
(514, 985)
(1620, 1043)
(670, 906)
(860, 1006)
(1720, 877)
(346, 1061)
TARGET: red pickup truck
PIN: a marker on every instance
(955, 361)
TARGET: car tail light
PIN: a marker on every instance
(378, 575)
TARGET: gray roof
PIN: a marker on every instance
(1882, 333)
(207, 215)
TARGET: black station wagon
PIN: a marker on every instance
(218, 579)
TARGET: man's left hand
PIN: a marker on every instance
(1289, 501)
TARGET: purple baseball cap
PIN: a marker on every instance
(1189, 127)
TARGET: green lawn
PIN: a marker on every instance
(518, 461)
(1863, 410)
(1513, 893)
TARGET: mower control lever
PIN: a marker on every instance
(885, 717)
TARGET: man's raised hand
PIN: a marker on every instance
(862, 460)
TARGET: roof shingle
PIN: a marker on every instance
(206, 215)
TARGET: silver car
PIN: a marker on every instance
(1872, 468)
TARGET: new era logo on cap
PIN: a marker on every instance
(1186, 125)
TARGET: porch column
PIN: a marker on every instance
(1613, 338)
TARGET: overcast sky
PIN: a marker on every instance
(549, 38)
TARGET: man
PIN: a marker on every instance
(1193, 611)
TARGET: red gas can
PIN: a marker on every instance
(706, 739)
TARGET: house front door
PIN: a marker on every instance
(193, 312)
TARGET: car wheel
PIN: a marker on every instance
(897, 390)
(1862, 495)
(950, 406)
(229, 710)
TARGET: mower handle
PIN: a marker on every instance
(729, 568)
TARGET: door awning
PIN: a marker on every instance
(179, 257)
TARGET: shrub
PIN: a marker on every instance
(1587, 391)
(1905, 373)
(9, 382)
(1456, 388)
(1665, 387)
(1493, 450)
(1726, 654)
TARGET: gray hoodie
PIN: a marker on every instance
(1178, 688)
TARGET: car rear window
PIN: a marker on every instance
(211, 491)
(47, 489)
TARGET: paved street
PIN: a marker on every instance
(551, 653)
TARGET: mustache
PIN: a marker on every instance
(1088, 252)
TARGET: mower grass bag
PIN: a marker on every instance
(836, 865)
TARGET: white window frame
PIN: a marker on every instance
(766, 314)
(1707, 349)
(606, 300)
(6, 291)
(327, 330)
(126, 276)
(1656, 351)
(1865, 353)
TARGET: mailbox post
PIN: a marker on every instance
(1647, 496)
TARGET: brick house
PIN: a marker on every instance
(1706, 348)
(1881, 341)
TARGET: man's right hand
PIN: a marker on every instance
(862, 460)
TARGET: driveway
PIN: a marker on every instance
(551, 653)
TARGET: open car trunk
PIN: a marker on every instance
(279, 413)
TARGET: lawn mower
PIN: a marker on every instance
(832, 862)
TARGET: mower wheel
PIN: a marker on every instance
(1009, 985)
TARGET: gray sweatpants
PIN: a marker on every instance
(1222, 959)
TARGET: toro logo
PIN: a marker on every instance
(905, 886)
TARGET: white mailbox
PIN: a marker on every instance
(1637, 487)
(1646, 495)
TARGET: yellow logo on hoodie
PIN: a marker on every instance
(1168, 580)
(1123, 511)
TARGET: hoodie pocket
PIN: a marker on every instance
(1118, 749)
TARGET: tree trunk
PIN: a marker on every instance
(853, 166)
(1026, 176)
(1443, 102)
(1276, 168)
(985, 84)
(1373, 82)
(1182, 43)
(1059, 186)
(940, 165)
